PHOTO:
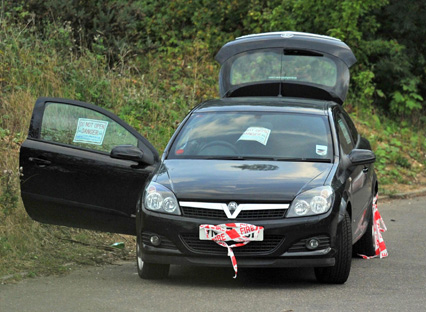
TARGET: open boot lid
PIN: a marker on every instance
(290, 64)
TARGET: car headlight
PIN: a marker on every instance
(160, 199)
(313, 202)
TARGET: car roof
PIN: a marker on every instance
(265, 104)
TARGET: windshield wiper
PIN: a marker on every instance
(233, 157)
(237, 157)
(301, 159)
(325, 160)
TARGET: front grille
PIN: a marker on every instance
(165, 242)
(267, 246)
(243, 215)
(203, 213)
(262, 214)
(300, 246)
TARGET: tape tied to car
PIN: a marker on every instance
(240, 233)
(378, 228)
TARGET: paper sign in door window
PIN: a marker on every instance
(90, 131)
(258, 134)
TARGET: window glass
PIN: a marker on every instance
(83, 127)
(257, 66)
(345, 138)
(351, 126)
(267, 65)
(254, 134)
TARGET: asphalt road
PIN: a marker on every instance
(396, 283)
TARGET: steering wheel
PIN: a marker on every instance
(219, 143)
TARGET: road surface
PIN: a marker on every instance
(396, 283)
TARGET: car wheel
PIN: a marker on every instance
(366, 245)
(339, 273)
(149, 270)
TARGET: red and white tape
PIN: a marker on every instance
(378, 227)
(240, 233)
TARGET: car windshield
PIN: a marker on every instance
(254, 135)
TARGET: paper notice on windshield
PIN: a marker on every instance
(90, 131)
(321, 150)
(258, 134)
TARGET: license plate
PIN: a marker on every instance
(209, 234)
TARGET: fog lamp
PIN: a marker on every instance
(312, 243)
(155, 240)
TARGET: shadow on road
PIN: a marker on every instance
(248, 278)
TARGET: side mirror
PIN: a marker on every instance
(127, 152)
(362, 157)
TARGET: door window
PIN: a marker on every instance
(351, 126)
(83, 127)
(345, 138)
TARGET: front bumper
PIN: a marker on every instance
(283, 245)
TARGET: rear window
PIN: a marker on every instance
(260, 135)
(270, 65)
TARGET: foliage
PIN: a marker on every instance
(408, 101)
(9, 197)
(399, 148)
(386, 36)
(401, 72)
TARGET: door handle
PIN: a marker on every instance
(365, 170)
(39, 161)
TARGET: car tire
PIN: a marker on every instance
(150, 270)
(366, 245)
(339, 273)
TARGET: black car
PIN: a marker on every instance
(276, 151)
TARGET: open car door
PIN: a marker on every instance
(82, 166)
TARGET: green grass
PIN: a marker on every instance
(400, 150)
(28, 248)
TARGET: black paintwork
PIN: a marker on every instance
(292, 230)
(128, 152)
(361, 156)
(77, 187)
(241, 181)
(267, 182)
(265, 104)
